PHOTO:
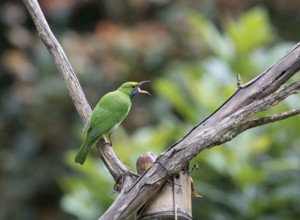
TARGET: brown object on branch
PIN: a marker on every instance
(232, 118)
(144, 162)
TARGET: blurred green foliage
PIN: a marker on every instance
(191, 52)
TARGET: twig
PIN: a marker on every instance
(269, 119)
(239, 81)
(241, 125)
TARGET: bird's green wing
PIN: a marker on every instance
(87, 126)
(101, 124)
(106, 116)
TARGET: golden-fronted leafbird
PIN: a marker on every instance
(107, 116)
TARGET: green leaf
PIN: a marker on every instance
(251, 30)
(173, 94)
(218, 43)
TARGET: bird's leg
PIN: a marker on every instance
(109, 138)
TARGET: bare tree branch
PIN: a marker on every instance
(270, 119)
(225, 123)
(114, 165)
(198, 139)
(262, 105)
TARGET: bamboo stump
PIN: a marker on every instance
(173, 201)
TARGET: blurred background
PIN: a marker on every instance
(191, 51)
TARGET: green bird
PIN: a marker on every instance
(107, 116)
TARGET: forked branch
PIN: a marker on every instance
(112, 162)
(229, 120)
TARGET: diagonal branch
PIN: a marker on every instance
(112, 162)
(197, 140)
(226, 122)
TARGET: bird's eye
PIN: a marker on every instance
(133, 87)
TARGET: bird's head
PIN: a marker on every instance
(133, 88)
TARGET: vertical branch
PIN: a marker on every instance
(113, 164)
(59, 58)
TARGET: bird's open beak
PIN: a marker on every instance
(138, 89)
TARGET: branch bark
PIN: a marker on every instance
(230, 119)
(203, 136)
(112, 162)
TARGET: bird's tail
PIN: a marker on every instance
(83, 151)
